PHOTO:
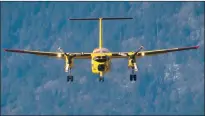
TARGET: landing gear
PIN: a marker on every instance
(132, 63)
(133, 76)
(69, 77)
(101, 79)
(68, 64)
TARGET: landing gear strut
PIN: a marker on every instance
(133, 76)
(101, 78)
(68, 64)
(69, 77)
(132, 64)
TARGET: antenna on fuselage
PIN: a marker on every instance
(100, 26)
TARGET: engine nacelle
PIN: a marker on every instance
(68, 64)
(131, 63)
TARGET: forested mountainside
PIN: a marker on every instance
(167, 84)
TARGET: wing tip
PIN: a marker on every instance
(5, 50)
(196, 47)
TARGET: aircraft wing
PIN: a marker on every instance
(152, 52)
(163, 51)
(59, 55)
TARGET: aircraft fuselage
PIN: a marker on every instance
(101, 61)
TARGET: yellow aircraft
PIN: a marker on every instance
(101, 57)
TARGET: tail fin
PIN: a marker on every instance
(100, 25)
(100, 33)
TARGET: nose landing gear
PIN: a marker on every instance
(101, 79)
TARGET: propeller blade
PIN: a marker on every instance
(61, 50)
(123, 54)
(141, 47)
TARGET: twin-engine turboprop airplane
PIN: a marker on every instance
(101, 57)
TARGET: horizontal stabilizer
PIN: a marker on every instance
(108, 18)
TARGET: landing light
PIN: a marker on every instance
(59, 55)
(143, 54)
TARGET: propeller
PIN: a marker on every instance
(66, 54)
(141, 47)
(124, 54)
(59, 48)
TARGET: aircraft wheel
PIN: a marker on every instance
(101, 79)
(133, 77)
(70, 78)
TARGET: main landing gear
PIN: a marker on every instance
(69, 77)
(68, 64)
(132, 64)
(133, 76)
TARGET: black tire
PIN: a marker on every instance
(69, 78)
(135, 77)
(101, 79)
(131, 77)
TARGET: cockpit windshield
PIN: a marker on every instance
(101, 58)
